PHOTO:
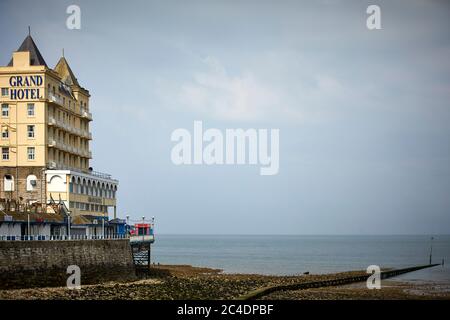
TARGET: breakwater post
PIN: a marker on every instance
(327, 283)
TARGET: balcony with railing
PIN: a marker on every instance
(56, 99)
(86, 114)
(55, 143)
(82, 112)
(52, 142)
(71, 129)
(57, 166)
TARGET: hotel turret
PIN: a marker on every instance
(45, 138)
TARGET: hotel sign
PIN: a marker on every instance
(20, 87)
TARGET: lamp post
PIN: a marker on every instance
(153, 225)
(42, 186)
(128, 225)
(28, 225)
(431, 249)
(143, 233)
(68, 225)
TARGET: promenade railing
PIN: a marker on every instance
(63, 237)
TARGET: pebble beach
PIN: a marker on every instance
(180, 282)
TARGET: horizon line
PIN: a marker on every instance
(308, 234)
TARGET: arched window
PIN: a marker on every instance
(56, 184)
(72, 186)
(31, 182)
(78, 185)
(102, 190)
(8, 182)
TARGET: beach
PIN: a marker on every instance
(180, 282)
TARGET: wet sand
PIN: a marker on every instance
(390, 290)
(173, 282)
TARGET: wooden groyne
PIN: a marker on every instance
(328, 283)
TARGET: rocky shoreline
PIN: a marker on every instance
(177, 282)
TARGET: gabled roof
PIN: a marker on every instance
(81, 220)
(66, 74)
(36, 58)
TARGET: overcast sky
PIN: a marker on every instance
(364, 116)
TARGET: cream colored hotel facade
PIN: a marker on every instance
(45, 137)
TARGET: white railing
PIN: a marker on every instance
(54, 165)
(101, 175)
(144, 238)
(63, 237)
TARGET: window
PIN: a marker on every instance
(30, 131)
(31, 182)
(8, 182)
(5, 110)
(31, 154)
(5, 134)
(5, 91)
(5, 153)
(30, 109)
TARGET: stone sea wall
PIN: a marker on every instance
(26, 264)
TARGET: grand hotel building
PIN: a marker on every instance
(45, 137)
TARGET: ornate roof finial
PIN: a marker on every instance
(63, 52)
(29, 30)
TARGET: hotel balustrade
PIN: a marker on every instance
(54, 165)
(76, 131)
(54, 98)
(86, 114)
(68, 148)
(58, 100)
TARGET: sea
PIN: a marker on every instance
(317, 254)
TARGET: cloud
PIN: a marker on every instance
(218, 94)
(283, 90)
